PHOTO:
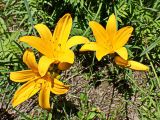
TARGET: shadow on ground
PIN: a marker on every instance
(58, 113)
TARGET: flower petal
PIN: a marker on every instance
(66, 56)
(58, 84)
(64, 66)
(44, 64)
(23, 76)
(121, 37)
(122, 52)
(91, 46)
(29, 60)
(62, 31)
(137, 66)
(44, 96)
(120, 61)
(44, 32)
(25, 92)
(130, 64)
(111, 27)
(75, 40)
(58, 91)
(101, 52)
(36, 42)
(58, 87)
(61, 86)
(100, 33)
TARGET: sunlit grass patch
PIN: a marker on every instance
(99, 89)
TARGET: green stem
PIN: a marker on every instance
(30, 15)
(134, 83)
(100, 6)
(2, 49)
(154, 71)
(115, 12)
(22, 114)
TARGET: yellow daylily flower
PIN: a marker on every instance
(130, 64)
(56, 47)
(34, 83)
(109, 40)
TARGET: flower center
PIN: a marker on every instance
(54, 71)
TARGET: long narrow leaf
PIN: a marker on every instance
(151, 47)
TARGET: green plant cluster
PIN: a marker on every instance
(17, 18)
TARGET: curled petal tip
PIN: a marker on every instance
(130, 28)
(92, 22)
(99, 58)
(38, 25)
(112, 14)
(68, 14)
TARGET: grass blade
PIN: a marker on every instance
(151, 47)
(30, 15)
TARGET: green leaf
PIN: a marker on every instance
(7, 4)
(151, 47)
(80, 114)
(91, 115)
(15, 35)
(3, 27)
(83, 97)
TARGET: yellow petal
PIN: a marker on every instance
(64, 66)
(61, 86)
(111, 27)
(23, 76)
(100, 33)
(58, 91)
(62, 31)
(44, 64)
(42, 46)
(25, 92)
(121, 37)
(58, 87)
(137, 66)
(44, 96)
(44, 32)
(120, 61)
(91, 46)
(122, 52)
(101, 52)
(29, 60)
(75, 40)
(59, 83)
(130, 64)
(66, 56)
